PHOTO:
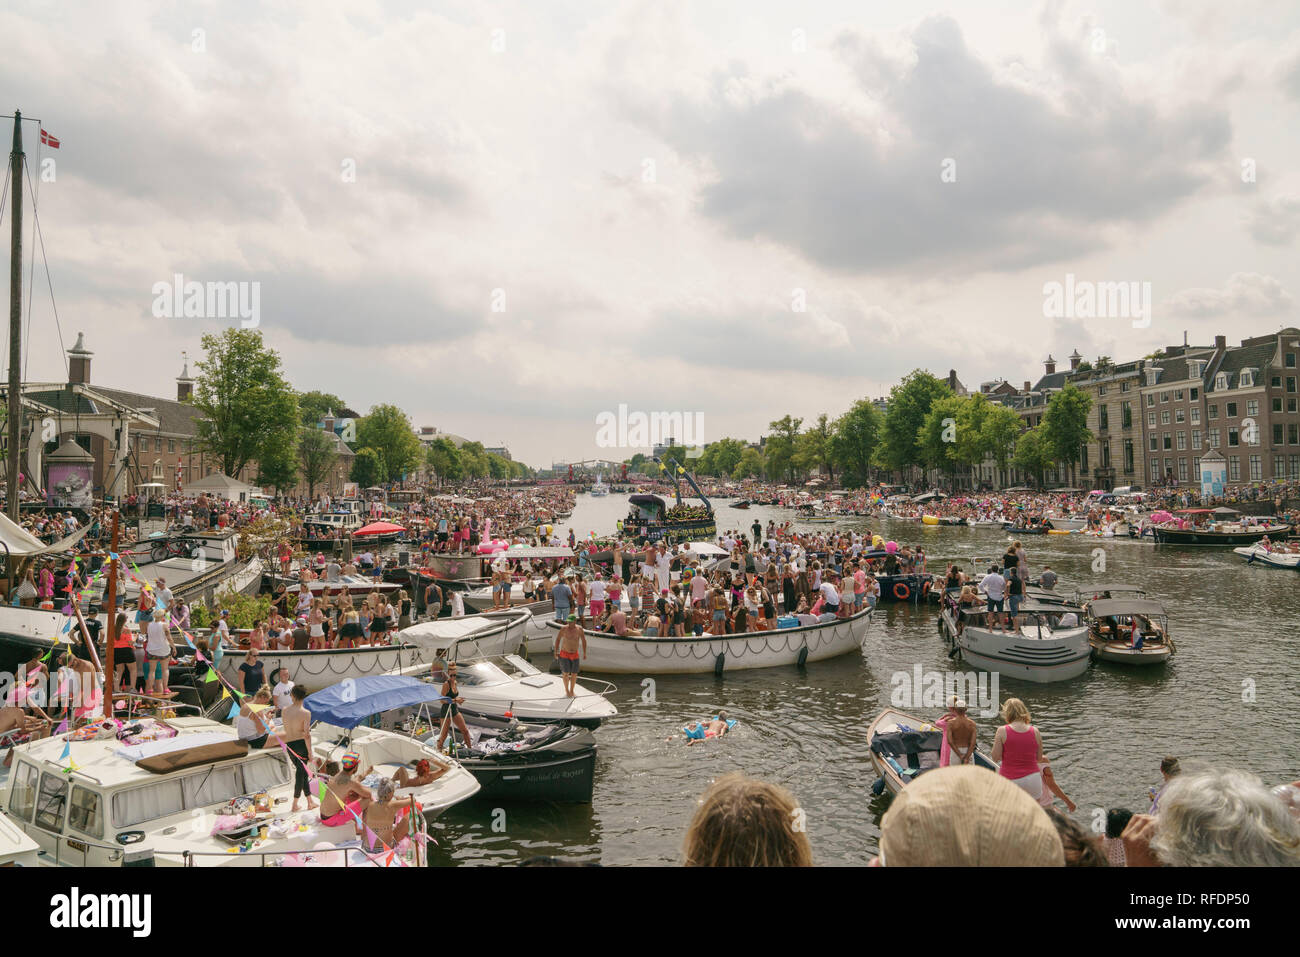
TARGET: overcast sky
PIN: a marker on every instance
(654, 189)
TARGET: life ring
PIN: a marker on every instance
(925, 587)
(901, 591)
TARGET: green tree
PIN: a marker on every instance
(749, 465)
(937, 439)
(722, 456)
(313, 406)
(316, 455)
(368, 467)
(1001, 430)
(443, 459)
(781, 446)
(1065, 425)
(813, 448)
(388, 429)
(1033, 454)
(277, 467)
(246, 409)
(909, 403)
(855, 439)
(474, 460)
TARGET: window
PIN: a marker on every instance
(1195, 394)
(22, 792)
(1182, 470)
(146, 803)
(1123, 386)
(1277, 433)
(1214, 412)
(1196, 438)
(1128, 455)
(1164, 417)
(1196, 465)
(1293, 467)
(1151, 419)
(1290, 360)
(1105, 455)
(1155, 469)
(1234, 469)
(1155, 444)
(1277, 403)
(1256, 468)
(84, 815)
(1290, 383)
(1234, 438)
(1169, 442)
(157, 443)
(1290, 405)
(50, 801)
(1126, 414)
(1279, 466)
(1180, 415)
(1196, 415)
(1182, 441)
(1103, 417)
(1101, 389)
(1247, 378)
(171, 445)
(1213, 436)
(1083, 459)
(1293, 434)
(1151, 399)
(1221, 382)
(1231, 411)
(1164, 396)
(1275, 382)
(1178, 395)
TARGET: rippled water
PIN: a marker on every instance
(1237, 629)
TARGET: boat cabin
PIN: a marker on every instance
(1033, 620)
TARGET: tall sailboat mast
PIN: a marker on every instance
(15, 425)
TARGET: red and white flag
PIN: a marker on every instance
(49, 139)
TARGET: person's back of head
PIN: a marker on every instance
(1080, 848)
(744, 822)
(1224, 818)
(1116, 820)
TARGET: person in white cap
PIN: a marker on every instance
(960, 734)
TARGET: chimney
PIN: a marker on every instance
(79, 362)
(952, 379)
(1050, 363)
(1028, 384)
(184, 385)
(328, 421)
(1220, 342)
(1075, 359)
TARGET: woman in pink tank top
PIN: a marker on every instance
(1018, 749)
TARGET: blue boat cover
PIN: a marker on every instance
(348, 703)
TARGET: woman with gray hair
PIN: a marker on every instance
(1215, 818)
(381, 820)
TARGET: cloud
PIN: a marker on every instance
(1246, 295)
(1275, 222)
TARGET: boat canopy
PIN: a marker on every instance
(1117, 607)
(347, 704)
(1112, 589)
(533, 551)
(20, 543)
(647, 501)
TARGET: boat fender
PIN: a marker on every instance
(878, 786)
(901, 591)
(719, 663)
(803, 656)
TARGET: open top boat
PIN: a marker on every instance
(1129, 631)
(1275, 555)
(1049, 642)
(903, 747)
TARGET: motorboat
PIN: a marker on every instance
(1217, 526)
(188, 792)
(1114, 624)
(510, 759)
(1273, 555)
(814, 640)
(599, 489)
(16, 848)
(1050, 641)
(903, 747)
(509, 686)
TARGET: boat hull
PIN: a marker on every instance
(1257, 555)
(609, 654)
(1040, 660)
(1190, 536)
(1118, 653)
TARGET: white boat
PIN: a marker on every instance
(1039, 650)
(101, 805)
(781, 647)
(1273, 556)
(419, 643)
(599, 488)
(1068, 524)
(16, 848)
(1110, 624)
(508, 686)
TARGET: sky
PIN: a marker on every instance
(510, 218)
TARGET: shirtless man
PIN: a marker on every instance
(960, 732)
(15, 721)
(570, 639)
(82, 692)
(297, 736)
(345, 789)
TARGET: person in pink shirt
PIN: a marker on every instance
(1018, 749)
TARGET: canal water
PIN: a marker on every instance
(1228, 698)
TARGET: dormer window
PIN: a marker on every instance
(1197, 368)
(1221, 381)
(1152, 375)
(1247, 378)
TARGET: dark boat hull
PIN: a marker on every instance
(562, 778)
(1188, 536)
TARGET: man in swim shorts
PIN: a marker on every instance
(570, 649)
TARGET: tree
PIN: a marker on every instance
(720, 457)
(474, 460)
(246, 409)
(317, 456)
(855, 439)
(937, 439)
(277, 466)
(1065, 424)
(909, 403)
(749, 465)
(443, 459)
(368, 467)
(813, 448)
(1001, 430)
(780, 446)
(1033, 454)
(313, 406)
(388, 429)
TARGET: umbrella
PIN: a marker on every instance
(347, 704)
(1161, 516)
(378, 528)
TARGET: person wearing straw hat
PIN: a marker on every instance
(967, 817)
